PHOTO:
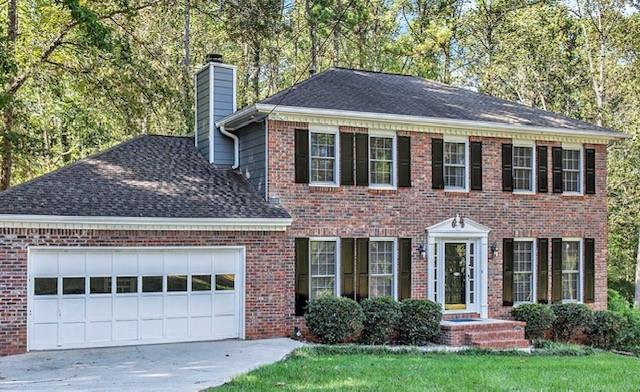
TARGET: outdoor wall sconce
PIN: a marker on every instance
(422, 251)
(493, 248)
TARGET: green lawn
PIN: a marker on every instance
(311, 371)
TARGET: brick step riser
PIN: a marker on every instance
(484, 328)
(478, 337)
(503, 344)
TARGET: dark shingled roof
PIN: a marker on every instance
(148, 176)
(377, 92)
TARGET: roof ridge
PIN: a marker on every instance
(378, 72)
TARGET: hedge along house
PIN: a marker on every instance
(353, 183)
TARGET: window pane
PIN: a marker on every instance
(454, 176)
(322, 170)
(570, 256)
(381, 173)
(522, 168)
(381, 160)
(72, 285)
(126, 284)
(323, 144)
(380, 257)
(323, 257)
(522, 271)
(201, 283)
(321, 286)
(177, 283)
(380, 286)
(323, 151)
(100, 285)
(152, 284)
(45, 286)
(570, 286)
(381, 148)
(454, 153)
(225, 281)
(571, 170)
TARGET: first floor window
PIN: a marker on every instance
(570, 270)
(455, 162)
(571, 164)
(523, 271)
(323, 262)
(381, 160)
(381, 255)
(323, 157)
(522, 168)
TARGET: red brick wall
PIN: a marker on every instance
(356, 211)
(269, 273)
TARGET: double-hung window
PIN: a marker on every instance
(323, 260)
(571, 170)
(571, 256)
(523, 267)
(323, 155)
(381, 268)
(455, 164)
(381, 160)
(523, 164)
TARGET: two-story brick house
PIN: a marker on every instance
(354, 183)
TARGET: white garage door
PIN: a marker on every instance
(111, 297)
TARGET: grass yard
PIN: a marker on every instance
(312, 370)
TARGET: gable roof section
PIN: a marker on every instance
(159, 177)
(348, 90)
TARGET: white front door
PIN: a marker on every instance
(107, 297)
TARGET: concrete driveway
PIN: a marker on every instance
(164, 367)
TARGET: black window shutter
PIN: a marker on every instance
(347, 262)
(556, 270)
(437, 164)
(507, 272)
(542, 163)
(476, 166)
(346, 158)
(557, 169)
(302, 275)
(362, 268)
(590, 171)
(589, 270)
(507, 167)
(404, 161)
(543, 271)
(362, 159)
(302, 155)
(405, 268)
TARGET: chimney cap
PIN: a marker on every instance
(214, 58)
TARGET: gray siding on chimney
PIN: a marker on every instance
(222, 107)
(253, 154)
(202, 111)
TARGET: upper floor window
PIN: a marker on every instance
(323, 260)
(523, 163)
(381, 160)
(571, 270)
(571, 170)
(324, 152)
(455, 164)
(381, 261)
(523, 271)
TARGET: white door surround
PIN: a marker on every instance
(113, 296)
(474, 235)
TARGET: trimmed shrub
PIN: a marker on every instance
(419, 321)
(631, 334)
(381, 317)
(538, 317)
(571, 319)
(334, 320)
(606, 329)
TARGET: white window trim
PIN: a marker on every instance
(315, 128)
(575, 147)
(337, 282)
(532, 145)
(394, 266)
(457, 139)
(580, 268)
(534, 270)
(394, 165)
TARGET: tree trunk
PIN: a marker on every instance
(638, 275)
(6, 145)
(312, 37)
(256, 72)
(336, 34)
(186, 68)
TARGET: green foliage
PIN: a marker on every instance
(381, 315)
(630, 337)
(334, 319)
(571, 319)
(419, 322)
(547, 347)
(538, 317)
(606, 329)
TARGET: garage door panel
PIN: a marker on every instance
(151, 307)
(71, 333)
(151, 263)
(45, 310)
(176, 263)
(99, 308)
(126, 330)
(225, 262)
(72, 309)
(200, 263)
(201, 305)
(177, 328)
(99, 263)
(125, 308)
(125, 263)
(177, 306)
(200, 327)
(44, 263)
(152, 329)
(99, 331)
(72, 264)
(224, 304)
(44, 335)
(225, 326)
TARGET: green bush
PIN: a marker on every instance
(547, 347)
(631, 334)
(381, 317)
(606, 329)
(334, 320)
(419, 321)
(538, 317)
(571, 319)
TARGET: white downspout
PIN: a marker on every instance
(236, 147)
